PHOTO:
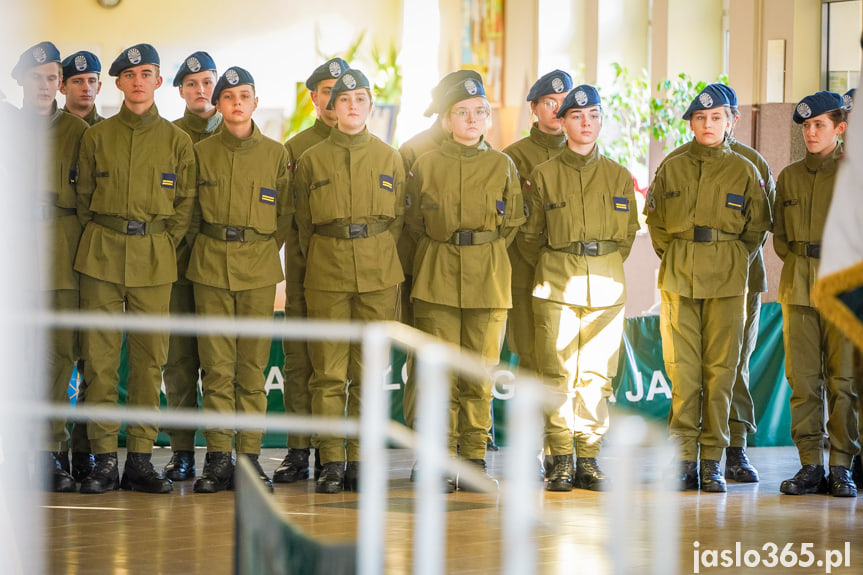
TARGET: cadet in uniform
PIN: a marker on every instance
(425, 141)
(195, 81)
(298, 367)
(707, 214)
(245, 208)
(81, 85)
(350, 212)
(742, 415)
(582, 216)
(464, 208)
(136, 192)
(814, 346)
(57, 135)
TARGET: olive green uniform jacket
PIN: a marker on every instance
(243, 184)
(92, 118)
(463, 188)
(350, 179)
(160, 157)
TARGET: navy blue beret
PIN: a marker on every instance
(196, 62)
(41, 53)
(329, 70)
(82, 62)
(583, 96)
(137, 55)
(710, 97)
(233, 76)
(555, 82)
(464, 90)
(351, 79)
(447, 82)
(817, 104)
(729, 93)
(848, 98)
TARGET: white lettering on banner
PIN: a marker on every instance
(275, 380)
(392, 385)
(502, 387)
(658, 384)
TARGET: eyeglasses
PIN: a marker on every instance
(464, 113)
(550, 105)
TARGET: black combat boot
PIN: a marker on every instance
(105, 475)
(711, 478)
(489, 483)
(737, 466)
(588, 475)
(181, 467)
(841, 483)
(688, 476)
(352, 476)
(140, 475)
(332, 478)
(294, 467)
(61, 480)
(82, 465)
(560, 476)
(218, 474)
(857, 471)
(262, 475)
(809, 479)
(318, 467)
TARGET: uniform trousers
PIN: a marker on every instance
(479, 330)
(234, 379)
(741, 419)
(298, 365)
(147, 353)
(337, 362)
(405, 315)
(181, 371)
(62, 356)
(701, 340)
(577, 349)
(819, 360)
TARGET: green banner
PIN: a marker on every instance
(641, 384)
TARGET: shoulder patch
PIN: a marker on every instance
(651, 201)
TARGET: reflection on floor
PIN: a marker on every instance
(190, 533)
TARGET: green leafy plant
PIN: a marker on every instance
(627, 102)
(388, 75)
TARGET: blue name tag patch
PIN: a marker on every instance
(169, 180)
(501, 207)
(268, 196)
(386, 182)
(621, 204)
(734, 201)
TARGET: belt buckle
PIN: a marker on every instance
(591, 248)
(464, 237)
(358, 231)
(813, 251)
(135, 228)
(234, 234)
(701, 234)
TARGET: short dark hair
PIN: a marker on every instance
(838, 116)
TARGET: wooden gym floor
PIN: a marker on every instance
(188, 533)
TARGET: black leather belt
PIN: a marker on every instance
(806, 249)
(473, 238)
(129, 227)
(232, 233)
(592, 248)
(704, 234)
(352, 231)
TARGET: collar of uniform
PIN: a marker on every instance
(321, 128)
(814, 163)
(550, 141)
(576, 160)
(349, 140)
(90, 118)
(234, 143)
(56, 113)
(453, 148)
(135, 121)
(201, 125)
(702, 152)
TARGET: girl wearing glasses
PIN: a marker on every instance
(464, 207)
(581, 225)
